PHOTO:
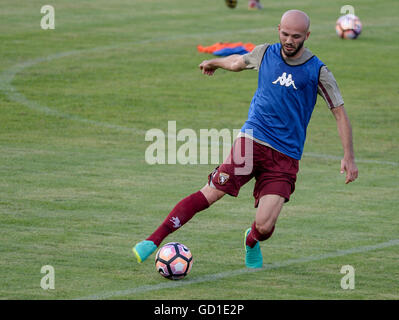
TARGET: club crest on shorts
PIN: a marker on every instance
(223, 178)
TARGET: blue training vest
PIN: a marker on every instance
(284, 101)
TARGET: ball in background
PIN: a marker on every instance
(348, 26)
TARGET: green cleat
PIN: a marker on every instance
(143, 250)
(253, 256)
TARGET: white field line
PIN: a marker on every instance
(205, 142)
(12, 93)
(238, 272)
(330, 157)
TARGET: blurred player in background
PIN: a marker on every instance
(289, 78)
(252, 4)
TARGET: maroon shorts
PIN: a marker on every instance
(274, 172)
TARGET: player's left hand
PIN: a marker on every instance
(351, 170)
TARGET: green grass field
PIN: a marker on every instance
(76, 192)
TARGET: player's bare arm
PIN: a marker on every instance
(231, 63)
(348, 164)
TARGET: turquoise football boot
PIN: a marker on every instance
(253, 256)
(143, 250)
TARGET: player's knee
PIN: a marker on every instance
(212, 194)
(265, 228)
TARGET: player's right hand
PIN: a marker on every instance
(207, 68)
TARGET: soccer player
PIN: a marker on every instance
(254, 4)
(271, 141)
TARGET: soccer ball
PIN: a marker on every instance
(174, 261)
(231, 3)
(348, 26)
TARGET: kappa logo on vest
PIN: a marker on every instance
(285, 81)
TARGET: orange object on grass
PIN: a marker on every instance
(222, 45)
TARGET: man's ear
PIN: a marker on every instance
(278, 27)
(307, 35)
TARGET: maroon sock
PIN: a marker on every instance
(254, 236)
(180, 214)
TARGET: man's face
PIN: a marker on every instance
(291, 40)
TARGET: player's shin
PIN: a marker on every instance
(180, 214)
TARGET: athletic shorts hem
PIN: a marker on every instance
(274, 172)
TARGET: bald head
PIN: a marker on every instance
(293, 32)
(295, 19)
